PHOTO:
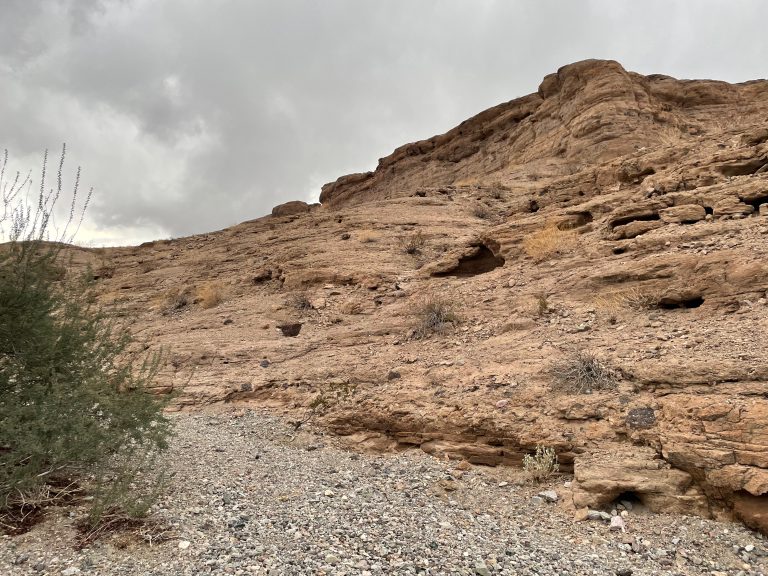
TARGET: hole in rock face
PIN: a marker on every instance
(709, 210)
(482, 261)
(533, 206)
(755, 202)
(640, 217)
(675, 303)
(629, 501)
(619, 250)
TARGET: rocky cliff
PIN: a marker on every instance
(595, 253)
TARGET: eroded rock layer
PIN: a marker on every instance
(608, 214)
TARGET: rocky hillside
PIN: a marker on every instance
(582, 268)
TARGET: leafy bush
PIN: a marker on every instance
(74, 411)
(541, 465)
(582, 372)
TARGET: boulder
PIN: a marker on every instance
(683, 214)
(290, 208)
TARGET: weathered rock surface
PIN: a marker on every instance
(608, 213)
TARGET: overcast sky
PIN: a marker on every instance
(192, 115)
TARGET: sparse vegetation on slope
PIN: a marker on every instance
(74, 414)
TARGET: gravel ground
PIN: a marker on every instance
(248, 497)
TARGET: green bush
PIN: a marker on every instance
(74, 411)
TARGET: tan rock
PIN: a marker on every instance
(683, 214)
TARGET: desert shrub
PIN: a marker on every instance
(209, 295)
(541, 465)
(548, 242)
(74, 411)
(433, 315)
(582, 372)
(300, 302)
(633, 298)
(540, 304)
(367, 237)
(481, 211)
(413, 244)
(176, 299)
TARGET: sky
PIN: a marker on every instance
(188, 116)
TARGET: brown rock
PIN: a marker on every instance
(290, 208)
(683, 214)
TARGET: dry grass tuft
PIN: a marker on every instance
(582, 373)
(413, 244)
(209, 295)
(434, 315)
(548, 242)
(634, 298)
(300, 302)
(367, 237)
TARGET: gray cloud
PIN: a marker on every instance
(192, 115)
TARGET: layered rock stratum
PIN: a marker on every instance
(609, 215)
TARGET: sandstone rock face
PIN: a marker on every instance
(290, 208)
(606, 213)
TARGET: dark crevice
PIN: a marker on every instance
(480, 262)
(643, 218)
(533, 206)
(709, 210)
(619, 250)
(755, 202)
(676, 303)
(632, 498)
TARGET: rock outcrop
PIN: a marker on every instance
(608, 214)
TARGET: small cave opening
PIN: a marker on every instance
(481, 261)
(678, 303)
(709, 210)
(629, 500)
(635, 218)
(755, 202)
(533, 206)
(619, 250)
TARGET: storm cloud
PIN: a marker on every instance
(192, 115)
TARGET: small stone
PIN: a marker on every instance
(617, 523)
(624, 572)
(750, 547)
(502, 484)
(481, 569)
(627, 504)
(332, 559)
(393, 375)
(329, 493)
(264, 363)
(548, 495)
(345, 236)
(71, 571)
(184, 544)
